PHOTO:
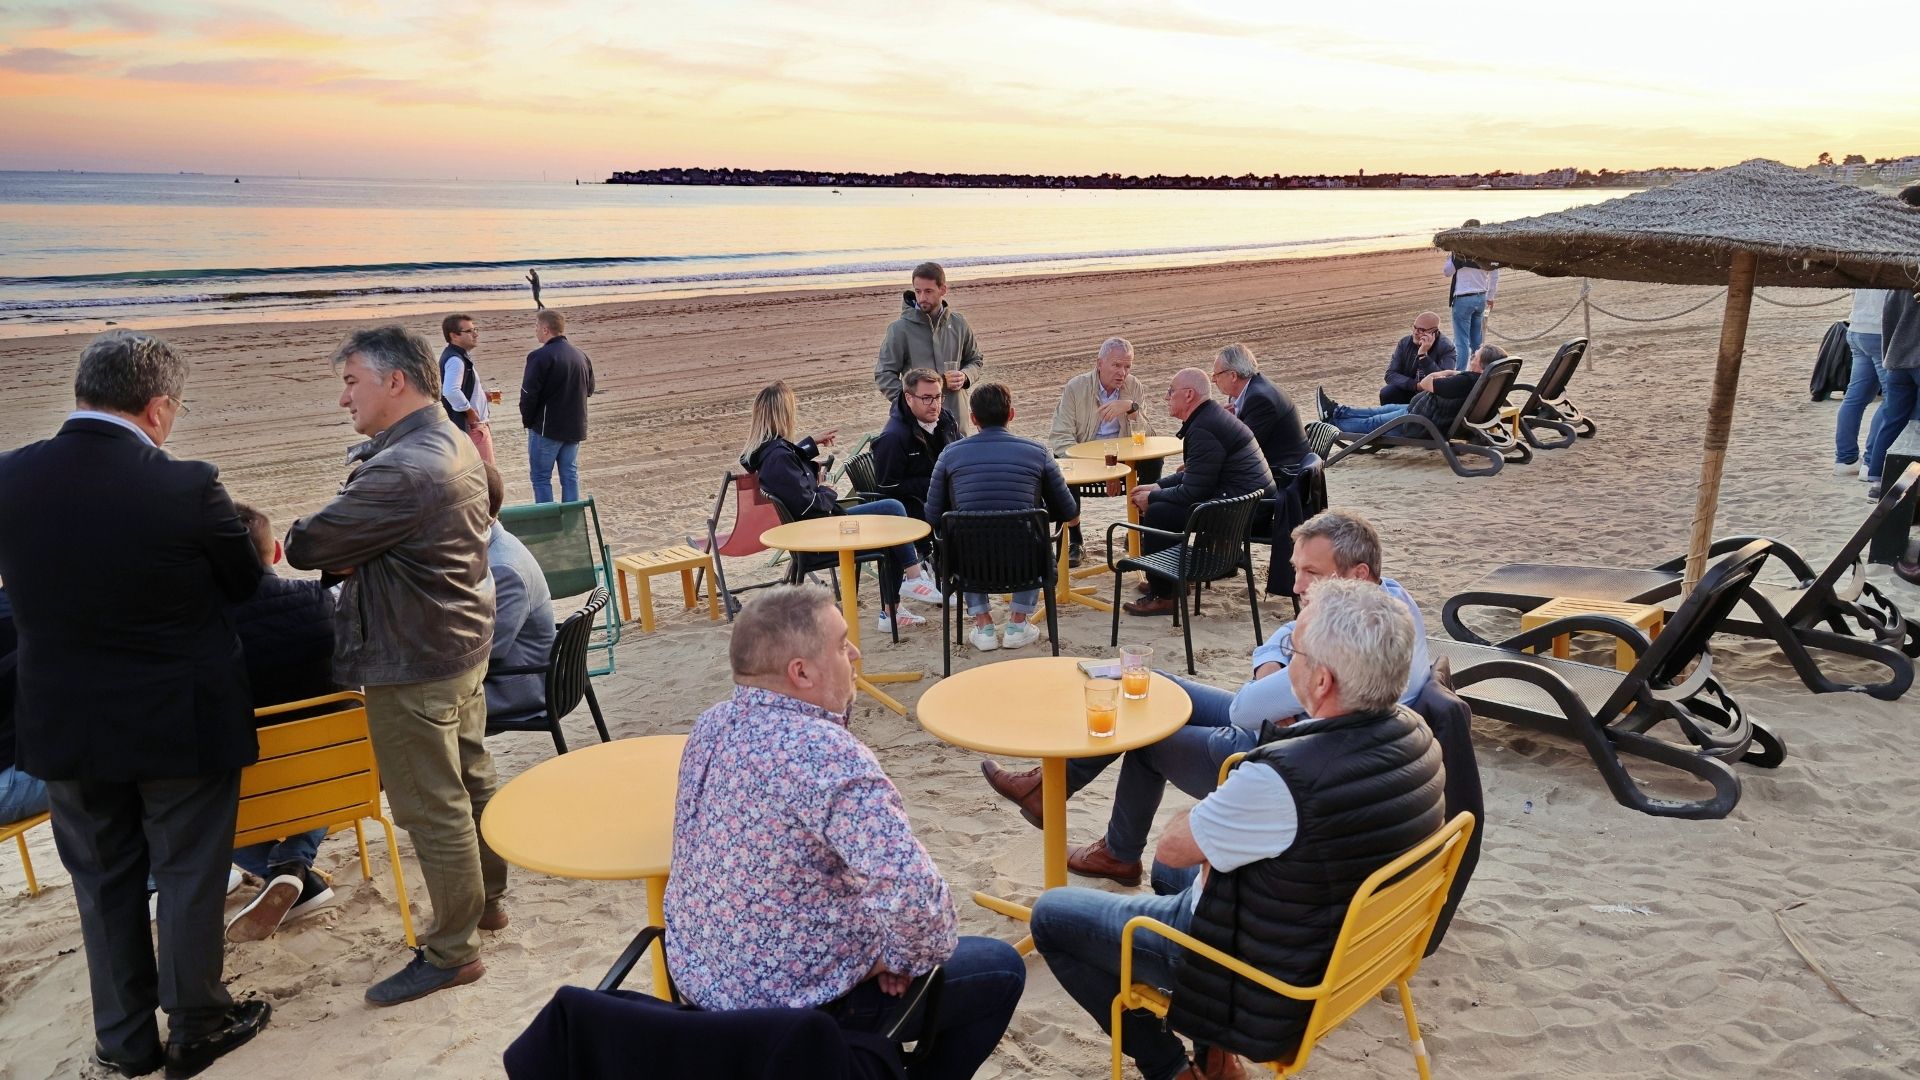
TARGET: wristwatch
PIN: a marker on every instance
(1132, 407)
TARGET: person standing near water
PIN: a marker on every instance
(929, 334)
(533, 278)
(553, 406)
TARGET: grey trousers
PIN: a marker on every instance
(110, 836)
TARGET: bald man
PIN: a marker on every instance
(1418, 355)
(1221, 459)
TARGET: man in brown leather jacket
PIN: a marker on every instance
(408, 533)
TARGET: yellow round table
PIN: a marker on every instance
(1082, 471)
(1037, 707)
(872, 532)
(1128, 453)
(600, 813)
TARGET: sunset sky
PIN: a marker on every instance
(580, 88)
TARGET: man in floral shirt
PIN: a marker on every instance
(797, 881)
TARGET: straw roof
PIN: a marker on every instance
(1808, 231)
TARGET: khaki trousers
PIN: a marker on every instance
(429, 740)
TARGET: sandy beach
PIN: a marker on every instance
(1594, 941)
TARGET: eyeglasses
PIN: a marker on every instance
(179, 404)
(1426, 329)
(925, 399)
(1288, 652)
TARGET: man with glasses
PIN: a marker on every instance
(1332, 544)
(1260, 405)
(1419, 354)
(1105, 403)
(462, 394)
(918, 428)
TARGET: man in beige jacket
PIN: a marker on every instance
(1102, 404)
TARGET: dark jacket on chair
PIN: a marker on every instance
(1443, 403)
(1408, 367)
(554, 390)
(1451, 721)
(789, 477)
(286, 631)
(120, 561)
(1220, 460)
(1275, 424)
(998, 470)
(904, 453)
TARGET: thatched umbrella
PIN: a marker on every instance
(1756, 223)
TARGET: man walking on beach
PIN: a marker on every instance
(553, 406)
(929, 334)
(408, 533)
(136, 714)
(466, 399)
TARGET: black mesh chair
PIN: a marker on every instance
(565, 674)
(994, 551)
(1215, 545)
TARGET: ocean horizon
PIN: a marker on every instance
(89, 249)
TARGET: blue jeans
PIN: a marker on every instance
(904, 555)
(1190, 758)
(1077, 931)
(1023, 603)
(1469, 327)
(1360, 419)
(1861, 388)
(1899, 388)
(542, 455)
(21, 796)
(259, 859)
(983, 981)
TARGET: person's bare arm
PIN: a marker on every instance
(1177, 847)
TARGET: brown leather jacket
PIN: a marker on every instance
(411, 523)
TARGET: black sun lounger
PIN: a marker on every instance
(1835, 609)
(1671, 687)
(1546, 405)
(1478, 431)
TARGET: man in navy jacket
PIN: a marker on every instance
(917, 431)
(1418, 355)
(553, 406)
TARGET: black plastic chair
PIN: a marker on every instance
(1549, 399)
(565, 675)
(994, 551)
(1214, 545)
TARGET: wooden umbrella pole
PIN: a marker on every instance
(1726, 381)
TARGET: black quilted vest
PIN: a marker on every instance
(1366, 789)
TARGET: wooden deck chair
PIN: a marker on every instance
(566, 540)
(1381, 943)
(1613, 713)
(318, 772)
(1834, 609)
(17, 832)
(1478, 430)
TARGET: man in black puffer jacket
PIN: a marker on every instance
(1264, 867)
(1220, 459)
(917, 431)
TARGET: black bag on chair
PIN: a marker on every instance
(1834, 367)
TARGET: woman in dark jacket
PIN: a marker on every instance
(790, 474)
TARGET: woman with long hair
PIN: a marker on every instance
(788, 470)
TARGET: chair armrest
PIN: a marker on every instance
(1189, 942)
(631, 955)
(1791, 559)
(1227, 766)
(523, 669)
(1543, 635)
(1144, 530)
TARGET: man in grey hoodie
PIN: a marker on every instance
(930, 334)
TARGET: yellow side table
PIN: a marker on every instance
(1648, 617)
(646, 564)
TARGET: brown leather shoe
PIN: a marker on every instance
(1214, 1064)
(1144, 587)
(494, 917)
(1152, 605)
(1094, 860)
(1019, 788)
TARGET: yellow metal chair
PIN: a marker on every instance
(1380, 944)
(314, 772)
(17, 832)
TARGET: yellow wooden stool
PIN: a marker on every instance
(646, 564)
(1510, 416)
(17, 832)
(1648, 617)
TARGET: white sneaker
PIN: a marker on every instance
(1865, 479)
(1845, 468)
(907, 618)
(983, 639)
(921, 589)
(1019, 634)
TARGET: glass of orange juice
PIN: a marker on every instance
(1103, 707)
(1136, 670)
(1139, 433)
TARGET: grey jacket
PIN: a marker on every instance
(942, 341)
(411, 524)
(523, 629)
(1900, 330)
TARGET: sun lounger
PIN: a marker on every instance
(1671, 687)
(1835, 609)
(1478, 431)
(1546, 406)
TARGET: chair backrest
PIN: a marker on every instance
(312, 772)
(1386, 929)
(1488, 396)
(860, 473)
(996, 550)
(565, 540)
(1217, 536)
(753, 514)
(1309, 483)
(1560, 369)
(1897, 498)
(567, 661)
(1686, 634)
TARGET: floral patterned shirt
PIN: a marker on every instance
(794, 865)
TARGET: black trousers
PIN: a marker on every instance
(1145, 472)
(1171, 518)
(110, 836)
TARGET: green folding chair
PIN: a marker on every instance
(566, 540)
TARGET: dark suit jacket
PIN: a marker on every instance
(1275, 424)
(554, 390)
(120, 562)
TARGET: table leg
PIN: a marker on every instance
(657, 916)
(645, 583)
(626, 606)
(686, 587)
(1053, 842)
(1066, 592)
(1133, 514)
(1562, 647)
(850, 607)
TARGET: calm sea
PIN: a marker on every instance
(80, 249)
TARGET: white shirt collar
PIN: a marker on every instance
(90, 414)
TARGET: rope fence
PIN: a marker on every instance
(1584, 304)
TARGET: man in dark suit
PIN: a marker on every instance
(133, 699)
(1260, 405)
(553, 405)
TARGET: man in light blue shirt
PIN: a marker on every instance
(1332, 544)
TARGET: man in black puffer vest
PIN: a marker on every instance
(1264, 867)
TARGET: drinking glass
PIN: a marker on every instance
(849, 526)
(1139, 432)
(1103, 707)
(1136, 670)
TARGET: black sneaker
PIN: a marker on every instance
(420, 978)
(316, 892)
(1076, 554)
(1325, 404)
(129, 1068)
(189, 1057)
